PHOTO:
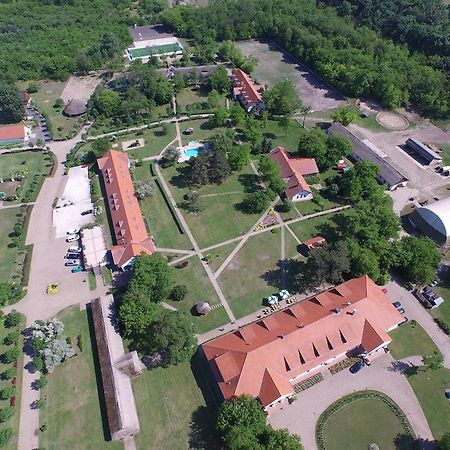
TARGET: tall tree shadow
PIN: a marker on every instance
(181, 179)
(249, 181)
(292, 268)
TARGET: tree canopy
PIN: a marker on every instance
(283, 98)
(11, 103)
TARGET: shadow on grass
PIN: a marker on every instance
(249, 181)
(181, 179)
(291, 267)
(98, 377)
(407, 442)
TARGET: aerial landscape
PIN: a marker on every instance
(225, 224)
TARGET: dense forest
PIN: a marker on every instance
(423, 25)
(358, 61)
(44, 39)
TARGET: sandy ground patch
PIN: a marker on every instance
(80, 88)
(274, 65)
(368, 106)
(392, 121)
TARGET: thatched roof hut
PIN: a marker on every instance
(203, 308)
(75, 107)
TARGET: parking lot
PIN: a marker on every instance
(274, 65)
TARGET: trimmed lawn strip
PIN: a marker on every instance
(171, 410)
(252, 274)
(219, 219)
(409, 340)
(443, 312)
(429, 387)
(9, 255)
(361, 422)
(194, 277)
(73, 413)
(92, 281)
(12, 423)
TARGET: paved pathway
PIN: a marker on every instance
(383, 375)
(414, 310)
(17, 205)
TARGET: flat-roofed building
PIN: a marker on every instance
(130, 233)
(265, 359)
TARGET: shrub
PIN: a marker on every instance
(38, 363)
(9, 373)
(5, 436)
(33, 87)
(12, 319)
(443, 325)
(286, 206)
(178, 292)
(41, 403)
(11, 355)
(6, 413)
(59, 103)
(42, 382)
(7, 393)
(12, 338)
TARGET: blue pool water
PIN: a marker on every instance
(191, 152)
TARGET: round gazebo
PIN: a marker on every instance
(75, 107)
(203, 308)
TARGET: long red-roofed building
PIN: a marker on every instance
(246, 91)
(265, 359)
(130, 233)
(294, 171)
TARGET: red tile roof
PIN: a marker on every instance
(129, 228)
(245, 88)
(263, 358)
(315, 241)
(293, 170)
(12, 132)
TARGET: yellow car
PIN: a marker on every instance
(53, 288)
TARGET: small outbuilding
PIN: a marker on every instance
(74, 108)
(203, 308)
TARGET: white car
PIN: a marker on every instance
(74, 249)
(72, 238)
(74, 231)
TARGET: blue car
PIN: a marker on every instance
(77, 269)
(357, 367)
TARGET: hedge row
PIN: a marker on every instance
(169, 205)
(344, 401)
(443, 325)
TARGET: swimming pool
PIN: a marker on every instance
(191, 152)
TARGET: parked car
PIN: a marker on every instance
(75, 249)
(434, 282)
(72, 263)
(74, 231)
(356, 367)
(77, 269)
(72, 256)
(401, 310)
(384, 290)
(396, 304)
(72, 238)
(88, 211)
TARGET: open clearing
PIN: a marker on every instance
(80, 88)
(275, 65)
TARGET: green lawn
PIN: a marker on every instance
(429, 387)
(288, 139)
(219, 218)
(360, 423)
(445, 153)
(443, 311)
(194, 277)
(32, 165)
(73, 415)
(8, 255)
(13, 422)
(410, 339)
(202, 130)
(220, 254)
(44, 99)
(306, 229)
(188, 96)
(252, 274)
(171, 410)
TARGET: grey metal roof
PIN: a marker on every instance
(361, 150)
(147, 32)
(423, 150)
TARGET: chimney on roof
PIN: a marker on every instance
(353, 312)
(337, 310)
(281, 336)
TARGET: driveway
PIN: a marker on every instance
(383, 375)
(414, 310)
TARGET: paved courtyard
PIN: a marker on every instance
(383, 375)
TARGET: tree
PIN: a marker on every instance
(178, 292)
(281, 439)
(152, 276)
(11, 103)
(100, 147)
(283, 99)
(11, 338)
(265, 146)
(313, 144)
(6, 413)
(219, 80)
(285, 122)
(433, 361)
(214, 99)
(143, 189)
(107, 102)
(338, 147)
(285, 206)
(255, 202)
(191, 198)
(220, 117)
(238, 157)
(109, 45)
(136, 314)
(305, 110)
(173, 333)
(241, 412)
(9, 373)
(8, 293)
(270, 173)
(164, 129)
(12, 319)
(59, 103)
(444, 442)
(416, 258)
(345, 115)
(33, 87)
(178, 81)
(170, 156)
(5, 436)
(242, 438)
(7, 393)
(237, 114)
(42, 382)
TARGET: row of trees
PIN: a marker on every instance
(151, 329)
(358, 61)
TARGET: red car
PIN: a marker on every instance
(384, 290)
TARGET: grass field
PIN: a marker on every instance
(200, 289)
(27, 164)
(44, 100)
(73, 415)
(188, 96)
(288, 140)
(443, 311)
(202, 130)
(13, 422)
(219, 218)
(8, 255)
(220, 254)
(429, 387)
(409, 340)
(252, 274)
(172, 411)
(360, 423)
(306, 229)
